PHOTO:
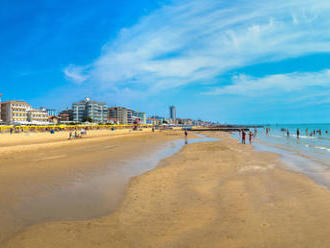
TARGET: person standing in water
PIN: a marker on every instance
(243, 137)
(287, 133)
(298, 133)
(250, 137)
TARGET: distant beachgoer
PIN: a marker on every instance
(186, 133)
(314, 132)
(255, 132)
(306, 131)
(11, 131)
(243, 137)
(70, 135)
(326, 131)
(250, 137)
(287, 133)
(153, 129)
(298, 133)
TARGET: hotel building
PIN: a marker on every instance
(15, 112)
(120, 115)
(37, 116)
(88, 109)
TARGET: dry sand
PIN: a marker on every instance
(215, 194)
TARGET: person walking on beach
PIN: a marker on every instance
(250, 137)
(186, 136)
(243, 137)
(298, 133)
(287, 133)
(70, 135)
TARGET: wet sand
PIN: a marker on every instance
(80, 179)
(214, 194)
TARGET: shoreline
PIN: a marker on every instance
(206, 195)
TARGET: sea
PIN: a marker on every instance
(307, 154)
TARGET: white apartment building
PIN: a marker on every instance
(14, 112)
(37, 116)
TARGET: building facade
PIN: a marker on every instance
(66, 115)
(120, 115)
(37, 116)
(50, 112)
(143, 117)
(173, 112)
(15, 112)
(88, 109)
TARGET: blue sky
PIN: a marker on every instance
(230, 61)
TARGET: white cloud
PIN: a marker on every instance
(195, 41)
(279, 83)
(75, 73)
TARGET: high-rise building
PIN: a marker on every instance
(172, 112)
(15, 112)
(88, 109)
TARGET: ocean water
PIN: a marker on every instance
(307, 154)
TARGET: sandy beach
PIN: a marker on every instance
(49, 177)
(212, 194)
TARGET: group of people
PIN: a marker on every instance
(77, 134)
(243, 134)
(312, 133)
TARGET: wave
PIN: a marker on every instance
(322, 148)
(318, 147)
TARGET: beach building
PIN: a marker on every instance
(50, 112)
(66, 115)
(89, 109)
(54, 119)
(15, 112)
(154, 121)
(37, 116)
(143, 117)
(173, 112)
(120, 115)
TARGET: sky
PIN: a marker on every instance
(235, 62)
